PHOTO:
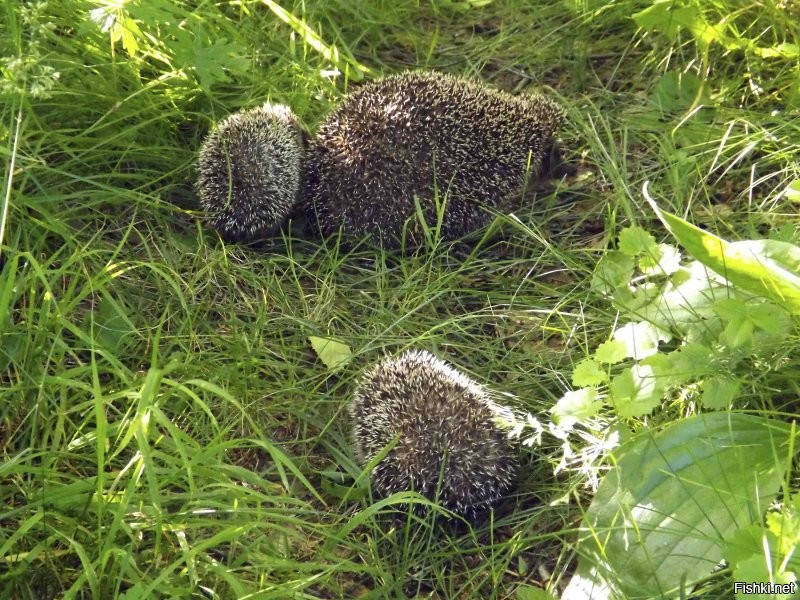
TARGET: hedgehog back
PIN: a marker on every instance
(425, 135)
(448, 446)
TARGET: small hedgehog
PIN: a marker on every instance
(250, 172)
(428, 136)
(448, 446)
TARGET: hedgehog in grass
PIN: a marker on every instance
(250, 172)
(448, 445)
(427, 138)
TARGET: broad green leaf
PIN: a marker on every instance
(762, 267)
(683, 302)
(677, 91)
(663, 514)
(611, 352)
(588, 372)
(635, 240)
(576, 406)
(112, 325)
(333, 354)
(669, 16)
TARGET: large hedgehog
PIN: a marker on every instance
(427, 139)
(442, 430)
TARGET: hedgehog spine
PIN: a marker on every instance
(249, 172)
(409, 135)
(448, 441)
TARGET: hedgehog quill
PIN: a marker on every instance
(424, 137)
(249, 172)
(449, 447)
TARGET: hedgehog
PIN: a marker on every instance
(249, 172)
(442, 429)
(427, 139)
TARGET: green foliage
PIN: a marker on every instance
(717, 326)
(766, 268)
(674, 501)
(732, 26)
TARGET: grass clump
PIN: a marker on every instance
(167, 428)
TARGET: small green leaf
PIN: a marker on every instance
(332, 353)
(635, 240)
(730, 308)
(526, 592)
(576, 406)
(611, 352)
(213, 63)
(676, 91)
(784, 50)
(785, 526)
(662, 368)
(636, 391)
(640, 339)
(665, 260)
(738, 333)
(756, 569)
(129, 32)
(792, 191)
(691, 360)
(743, 544)
(757, 554)
(588, 372)
(719, 392)
(770, 318)
(614, 270)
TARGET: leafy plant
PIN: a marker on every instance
(732, 28)
(713, 325)
(769, 552)
(674, 500)
(678, 500)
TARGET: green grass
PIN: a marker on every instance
(166, 429)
